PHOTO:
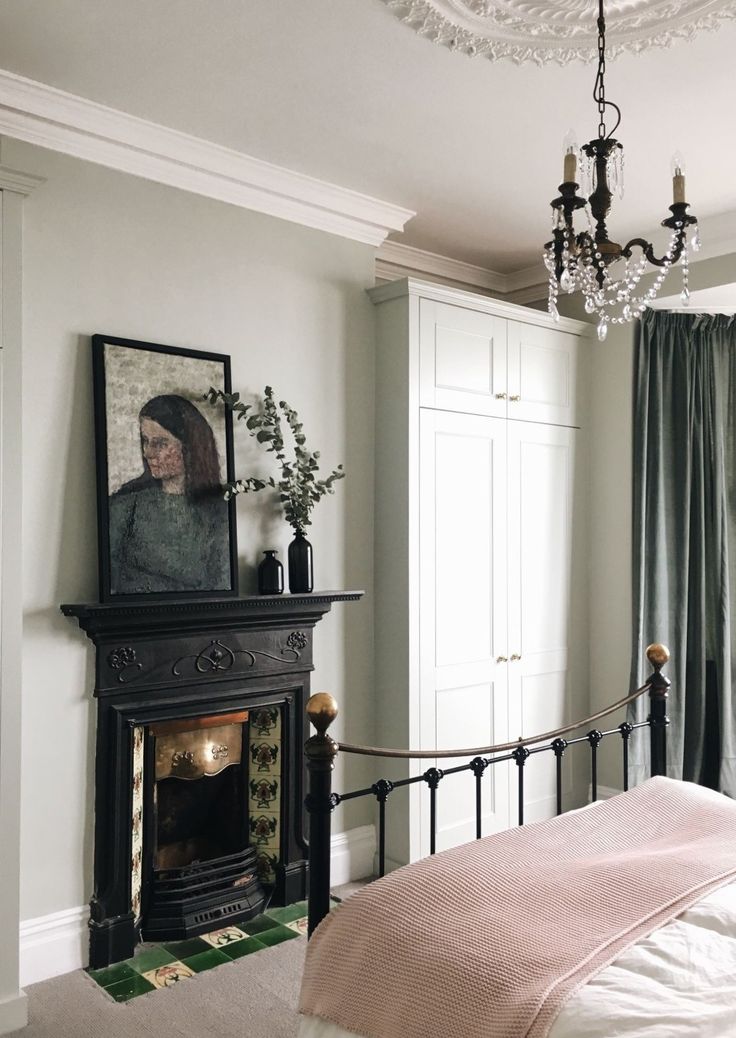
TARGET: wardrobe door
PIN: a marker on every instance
(542, 374)
(541, 523)
(462, 573)
(462, 359)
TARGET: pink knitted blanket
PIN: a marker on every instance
(490, 939)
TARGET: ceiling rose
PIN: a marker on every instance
(557, 30)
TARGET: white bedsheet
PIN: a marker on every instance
(680, 982)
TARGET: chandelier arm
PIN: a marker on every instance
(648, 249)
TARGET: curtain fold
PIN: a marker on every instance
(684, 536)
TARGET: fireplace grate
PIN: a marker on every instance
(184, 902)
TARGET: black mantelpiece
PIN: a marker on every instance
(158, 661)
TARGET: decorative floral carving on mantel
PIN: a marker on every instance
(559, 31)
(217, 656)
(121, 659)
(296, 641)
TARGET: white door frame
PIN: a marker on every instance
(14, 186)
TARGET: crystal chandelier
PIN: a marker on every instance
(607, 273)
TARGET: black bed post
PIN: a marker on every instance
(320, 751)
(658, 655)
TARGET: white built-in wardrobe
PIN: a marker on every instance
(481, 546)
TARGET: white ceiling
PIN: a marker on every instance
(341, 90)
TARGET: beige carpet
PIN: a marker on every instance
(254, 997)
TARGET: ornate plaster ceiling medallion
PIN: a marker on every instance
(557, 30)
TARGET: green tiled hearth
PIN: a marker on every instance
(163, 965)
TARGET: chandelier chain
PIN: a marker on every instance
(599, 90)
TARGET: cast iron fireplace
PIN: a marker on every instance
(203, 870)
(199, 786)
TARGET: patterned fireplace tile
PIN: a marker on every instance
(168, 975)
(136, 860)
(264, 788)
(221, 938)
(265, 757)
(264, 793)
(158, 966)
(267, 859)
(264, 831)
(265, 722)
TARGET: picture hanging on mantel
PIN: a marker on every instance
(165, 529)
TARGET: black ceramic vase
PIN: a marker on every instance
(301, 576)
(270, 575)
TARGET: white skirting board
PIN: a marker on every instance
(59, 943)
(604, 792)
(352, 855)
(53, 944)
(13, 1013)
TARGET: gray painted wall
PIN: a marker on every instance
(106, 252)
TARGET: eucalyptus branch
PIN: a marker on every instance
(299, 489)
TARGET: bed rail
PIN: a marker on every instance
(321, 751)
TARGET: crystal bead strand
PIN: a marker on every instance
(685, 294)
(621, 175)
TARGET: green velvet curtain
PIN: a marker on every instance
(684, 543)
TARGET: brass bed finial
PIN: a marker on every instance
(322, 710)
(320, 751)
(658, 655)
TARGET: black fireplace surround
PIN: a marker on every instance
(187, 661)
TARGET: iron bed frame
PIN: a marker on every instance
(321, 751)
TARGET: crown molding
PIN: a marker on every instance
(528, 285)
(40, 114)
(528, 278)
(395, 260)
(21, 183)
(532, 294)
(405, 259)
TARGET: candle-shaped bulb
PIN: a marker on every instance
(570, 147)
(677, 166)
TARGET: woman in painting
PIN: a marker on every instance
(169, 527)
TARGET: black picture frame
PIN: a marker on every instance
(115, 582)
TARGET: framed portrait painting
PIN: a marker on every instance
(164, 527)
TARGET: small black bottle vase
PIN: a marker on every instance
(301, 576)
(270, 574)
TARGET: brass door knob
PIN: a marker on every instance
(502, 659)
(515, 398)
(500, 396)
(515, 658)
